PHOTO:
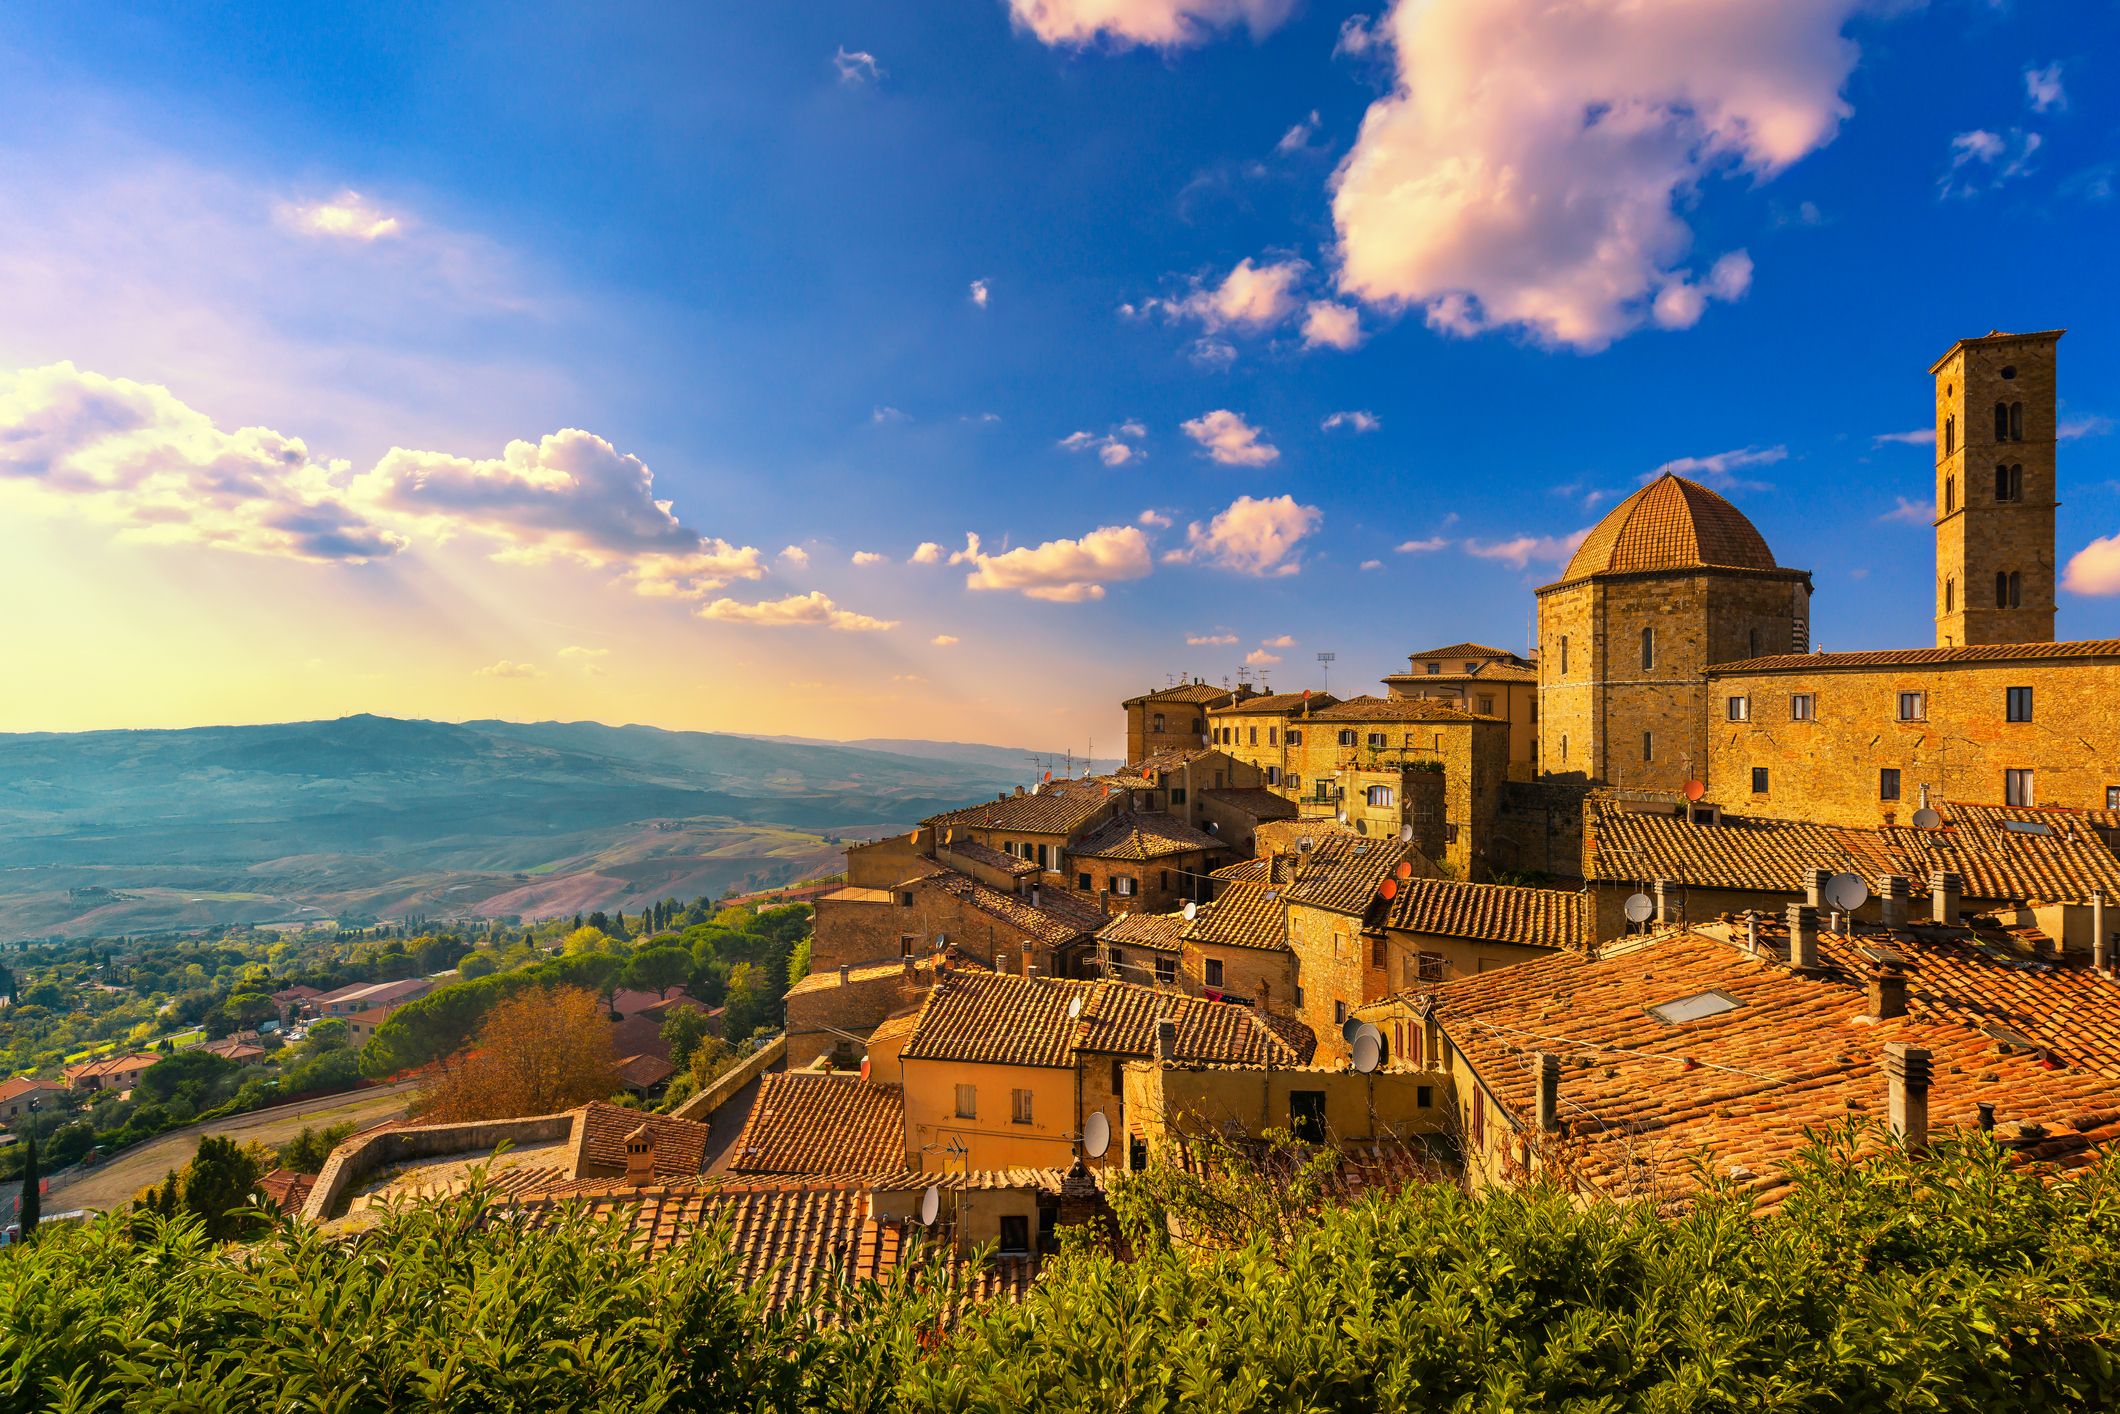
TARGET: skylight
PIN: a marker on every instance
(1697, 1007)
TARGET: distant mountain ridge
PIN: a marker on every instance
(354, 812)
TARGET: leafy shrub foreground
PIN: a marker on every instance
(1957, 1282)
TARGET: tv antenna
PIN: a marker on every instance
(1325, 661)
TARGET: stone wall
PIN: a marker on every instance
(702, 1106)
(821, 1008)
(1336, 969)
(365, 1154)
(1978, 535)
(1539, 829)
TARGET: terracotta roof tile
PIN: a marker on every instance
(1160, 932)
(1040, 812)
(1060, 917)
(599, 1140)
(805, 1123)
(1671, 523)
(1553, 918)
(1342, 872)
(644, 1072)
(1463, 650)
(1398, 709)
(1141, 835)
(1921, 657)
(1256, 801)
(973, 852)
(1275, 704)
(1005, 1020)
(1203, 692)
(1244, 914)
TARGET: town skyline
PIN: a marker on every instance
(808, 369)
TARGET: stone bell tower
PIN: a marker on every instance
(1995, 429)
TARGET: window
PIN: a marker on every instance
(905, 900)
(2017, 788)
(1118, 1077)
(1166, 970)
(1082, 882)
(1295, 738)
(2009, 483)
(1273, 775)
(1156, 722)
(1698, 1007)
(2002, 422)
(1424, 1096)
(1648, 648)
(1802, 707)
(1123, 885)
(1177, 795)
(1213, 971)
(1016, 1233)
(1738, 709)
(1379, 953)
(1564, 746)
(1435, 667)
(1913, 707)
(1759, 780)
(1752, 643)
(1306, 1115)
(1950, 593)
(1950, 435)
(1347, 736)
(967, 1102)
(2020, 704)
(2009, 372)
(1339, 1013)
(1272, 737)
(2112, 797)
(1950, 494)
(2016, 422)
(1291, 780)
(1254, 737)
(2009, 588)
(1382, 796)
(1888, 783)
(1434, 967)
(1485, 703)
(1019, 1105)
(1564, 655)
(1376, 741)
(1648, 746)
(905, 944)
(1472, 667)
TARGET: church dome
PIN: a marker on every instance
(1670, 524)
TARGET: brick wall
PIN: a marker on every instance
(1336, 970)
(1978, 535)
(822, 1007)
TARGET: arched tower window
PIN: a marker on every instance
(1950, 494)
(1950, 435)
(2002, 422)
(1754, 639)
(1950, 594)
(2016, 422)
(2009, 483)
(1648, 648)
(2016, 589)
(2009, 589)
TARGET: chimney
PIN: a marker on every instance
(1752, 931)
(1030, 972)
(640, 1157)
(1034, 896)
(1814, 887)
(1166, 1039)
(1663, 901)
(1803, 937)
(1946, 894)
(1000, 962)
(1893, 900)
(1888, 994)
(910, 967)
(2101, 941)
(1549, 1092)
(1906, 1071)
(845, 973)
(1987, 1115)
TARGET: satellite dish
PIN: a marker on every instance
(1213, 828)
(930, 1205)
(1350, 1028)
(1406, 834)
(1191, 911)
(949, 836)
(1074, 1008)
(1096, 1134)
(1369, 1030)
(1305, 845)
(913, 838)
(1343, 817)
(1926, 819)
(1639, 907)
(1695, 790)
(864, 1067)
(1389, 889)
(1367, 1054)
(941, 941)
(1405, 869)
(1847, 892)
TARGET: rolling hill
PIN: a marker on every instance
(375, 816)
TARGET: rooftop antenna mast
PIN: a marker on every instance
(1325, 661)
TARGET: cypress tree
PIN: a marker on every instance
(32, 1201)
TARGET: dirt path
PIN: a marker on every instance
(114, 1182)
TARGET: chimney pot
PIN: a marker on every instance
(1664, 910)
(1803, 936)
(1549, 1092)
(2101, 940)
(1893, 898)
(1030, 972)
(1166, 1039)
(1000, 962)
(1946, 897)
(1987, 1115)
(1888, 994)
(1814, 887)
(640, 1157)
(1906, 1070)
(1752, 931)
(845, 973)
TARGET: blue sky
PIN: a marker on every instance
(738, 247)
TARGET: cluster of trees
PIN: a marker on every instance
(218, 1190)
(1959, 1281)
(537, 1052)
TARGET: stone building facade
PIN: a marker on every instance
(1995, 489)
(1491, 682)
(1174, 718)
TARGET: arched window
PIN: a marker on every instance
(2002, 422)
(2016, 422)
(2002, 589)
(1950, 494)
(1648, 648)
(1950, 435)
(1381, 797)
(1156, 723)
(1950, 594)
(2016, 589)
(1753, 637)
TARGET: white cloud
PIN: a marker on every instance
(884, 412)
(1215, 354)
(1114, 448)
(506, 669)
(1163, 23)
(1719, 469)
(1227, 438)
(856, 66)
(865, 558)
(1982, 161)
(796, 556)
(576, 653)
(1250, 297)
(811, 610)
(1297, 138)
(1372, 564)
(944, 640)
(1063, 571)
(1209, 640)
(1420, 547)
(1260, 658)
(981, 293)
(2095, 569)
(2043, 90)
(2089, 425)
(1361, 35)
(1331, 326)
(1529, 167)
(1914, 437)
(1253, 536)
(1912, 512)
(1524, 549)
(927, 553)
(348, 216)
(1353, 420)
(1154, 520)
(1282, 641)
